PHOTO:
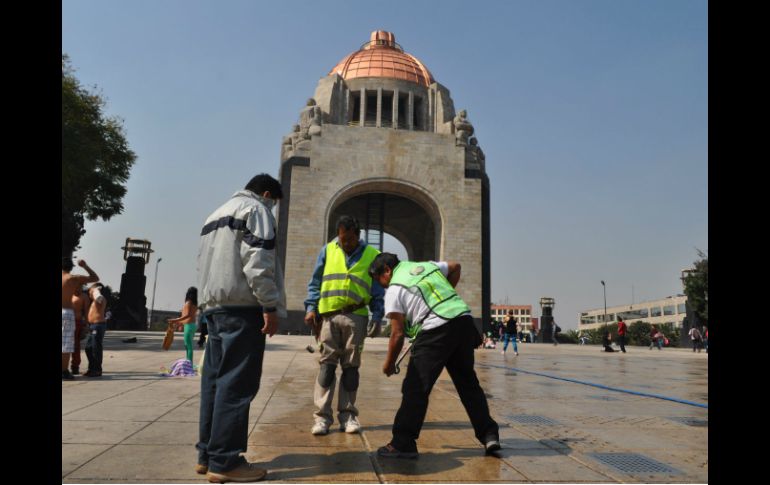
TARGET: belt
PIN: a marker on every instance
(347, 309)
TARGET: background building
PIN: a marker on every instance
(671, 309)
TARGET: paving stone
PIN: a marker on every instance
(137, 427)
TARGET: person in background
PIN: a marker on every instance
(70, 284)
(80, 304)
(656, 338)
(509, 335)
(607, 341)
(555, 329)
(97, 326)
(622, 334)
(188, 319)
(696, 337)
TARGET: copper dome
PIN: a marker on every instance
(382, 57)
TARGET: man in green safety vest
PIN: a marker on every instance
(422, 303)
(339, 292)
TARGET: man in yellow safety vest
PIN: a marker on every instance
(339, 292)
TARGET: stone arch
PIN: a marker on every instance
(411, 214)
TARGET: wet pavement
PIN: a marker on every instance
(134, 426)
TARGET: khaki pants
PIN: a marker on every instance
(342, 341)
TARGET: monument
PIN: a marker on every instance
(380, 140)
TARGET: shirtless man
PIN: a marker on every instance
(70, 284)
(97, 326)
(80, 304)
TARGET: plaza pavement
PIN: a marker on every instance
(134, 426)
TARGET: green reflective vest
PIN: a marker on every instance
(342, 287)
(435, 289)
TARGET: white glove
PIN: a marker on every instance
(373, 329)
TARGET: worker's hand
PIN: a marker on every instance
(389, 368)
(310, 319)
(373, 329)
(82, 263)
(271, 323)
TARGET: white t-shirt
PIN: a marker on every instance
(400, 300)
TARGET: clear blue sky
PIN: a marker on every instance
(593, 116)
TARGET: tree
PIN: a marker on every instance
(639, 333)
(570, 336)
(96, 160)
(696, 287)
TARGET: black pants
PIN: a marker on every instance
(696, 344)
(450, 345)
(232, 369)
(622, 342)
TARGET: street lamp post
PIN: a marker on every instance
(154, 284)
(604, 287)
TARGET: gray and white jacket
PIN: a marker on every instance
(237, 264)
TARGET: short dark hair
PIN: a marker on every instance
(66, 264)
(383, 259)
(349, 223)
(192, 295)
(262, 182)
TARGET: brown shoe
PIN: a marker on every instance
(201, 469)
(246, 472)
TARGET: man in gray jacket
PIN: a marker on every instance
(241, 296)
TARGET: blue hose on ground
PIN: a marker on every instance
(600, 386)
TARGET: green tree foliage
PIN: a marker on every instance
(596, 336)
(96, 160)
(570, 336)
(639, 333)
(696, 287)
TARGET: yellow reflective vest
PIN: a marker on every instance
(342, 287)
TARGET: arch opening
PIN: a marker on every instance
(390, 221)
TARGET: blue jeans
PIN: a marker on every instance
(509, 337)
(232, 368)
(94, 347)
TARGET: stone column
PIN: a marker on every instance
(346, 107)
(430, 118)
(410, 112)
(378, 124)
(424, 115)
(362, 114)
(395, 109)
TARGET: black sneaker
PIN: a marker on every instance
(67, 375)
(388, 451)
(75, 371)
(492, 445)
